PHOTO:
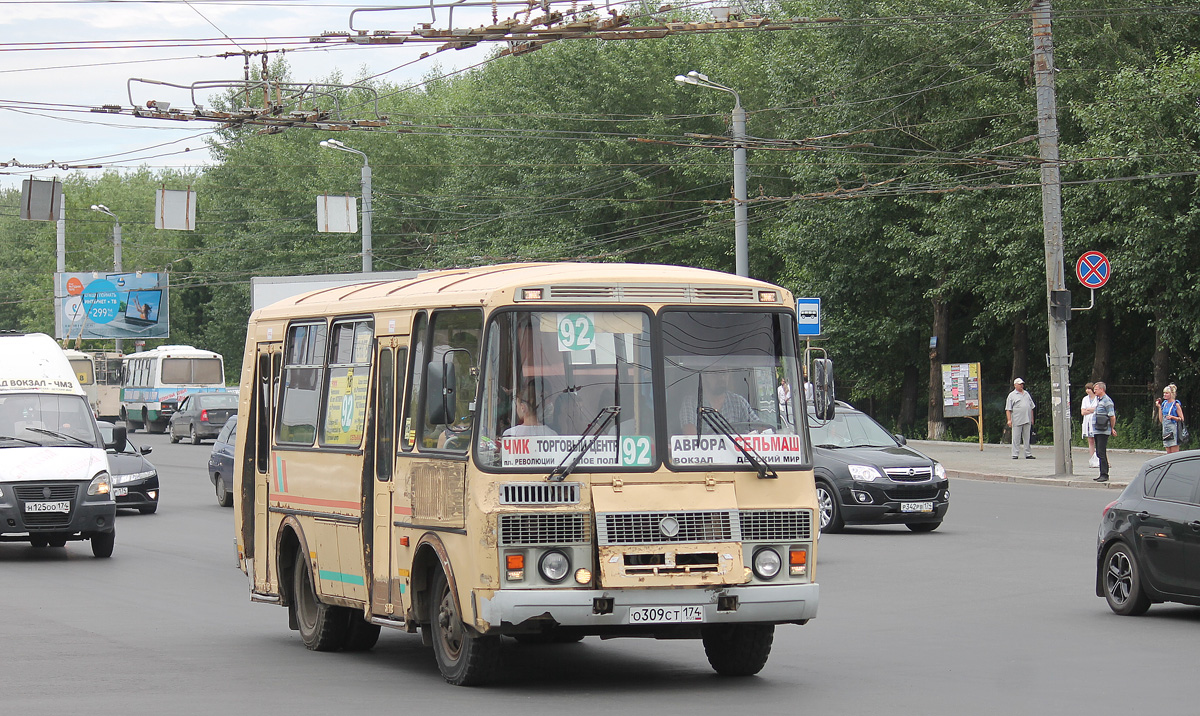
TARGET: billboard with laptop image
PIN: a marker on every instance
(98, 305)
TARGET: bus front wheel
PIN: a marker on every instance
(322, 627)
(464, 658)
(738, 649)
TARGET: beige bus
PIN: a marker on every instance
(538, 451)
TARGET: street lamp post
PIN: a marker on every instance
(116, 246)
(740, 221)
(367, 257)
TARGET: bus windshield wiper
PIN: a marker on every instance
(64, 436)
(723, 426)
(35, 443)
(593, 430)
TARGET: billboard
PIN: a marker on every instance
(106, 305)
(960, 390)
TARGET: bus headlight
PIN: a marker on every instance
(554, 566)
(767, 563)
(101, 484)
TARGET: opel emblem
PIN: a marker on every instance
(669, 526)
(912, 472)
(46, 492)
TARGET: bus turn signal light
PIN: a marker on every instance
(515, 563)
(798, 560)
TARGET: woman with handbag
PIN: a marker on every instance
(1170, 413)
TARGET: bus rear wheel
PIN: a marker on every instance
(322, 627)
(464, 658)
(738, 649)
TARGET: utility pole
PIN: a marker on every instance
(741, 224)
(1047, 113)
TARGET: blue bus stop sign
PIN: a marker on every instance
(808, 316)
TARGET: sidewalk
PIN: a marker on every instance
(966, 461)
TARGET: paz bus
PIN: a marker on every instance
(541, 451)
(100, 375)
(157, 380)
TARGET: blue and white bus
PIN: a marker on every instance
(157, 380)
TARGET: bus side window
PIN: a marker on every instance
(386, 397)
(349, 372)
(456, 339)
(408, 429)
(303, 370)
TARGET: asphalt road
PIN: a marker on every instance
(992, 614)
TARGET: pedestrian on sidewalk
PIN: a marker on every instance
(1086, 409)
(1019, 409)
(1105, 418)
(1170, 413)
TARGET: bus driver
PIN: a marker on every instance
(717, 395)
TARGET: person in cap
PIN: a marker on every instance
(1019, 408)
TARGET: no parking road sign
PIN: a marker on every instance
(1093, 269)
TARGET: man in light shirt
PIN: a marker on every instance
(1019, 408)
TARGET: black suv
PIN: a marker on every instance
(866, 475)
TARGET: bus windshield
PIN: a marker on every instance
(733, 363)
(550, 376)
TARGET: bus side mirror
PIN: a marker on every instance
(439, 401)
(119, 439)
(824, 398)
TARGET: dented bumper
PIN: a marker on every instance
(762, 604)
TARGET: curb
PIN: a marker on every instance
(1053, 481)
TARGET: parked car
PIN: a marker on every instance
(867, 475)
(201, 416)
(134, 478)
(1148, 545)
(220, 463)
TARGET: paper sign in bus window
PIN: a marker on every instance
(548, 451)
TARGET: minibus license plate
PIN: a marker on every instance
(916, 507)
(661, 615)
(63, 506)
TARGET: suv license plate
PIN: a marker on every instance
(916, 507)
(63, 506)
(665, 615)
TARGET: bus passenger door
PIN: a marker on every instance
(386, 596)
(259, 432)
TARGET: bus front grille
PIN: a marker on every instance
(667, 527)
(545, 528)
(776, 525)
(539, 493)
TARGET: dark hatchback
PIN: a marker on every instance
(220, 463)
(134, 479)
(867, 475)
(201, 416)
(1148, 546)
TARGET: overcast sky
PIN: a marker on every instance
(45, 93)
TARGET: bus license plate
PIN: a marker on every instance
(63, 506)
(916, 507)
(665, 615)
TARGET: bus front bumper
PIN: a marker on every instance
(761, 604)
